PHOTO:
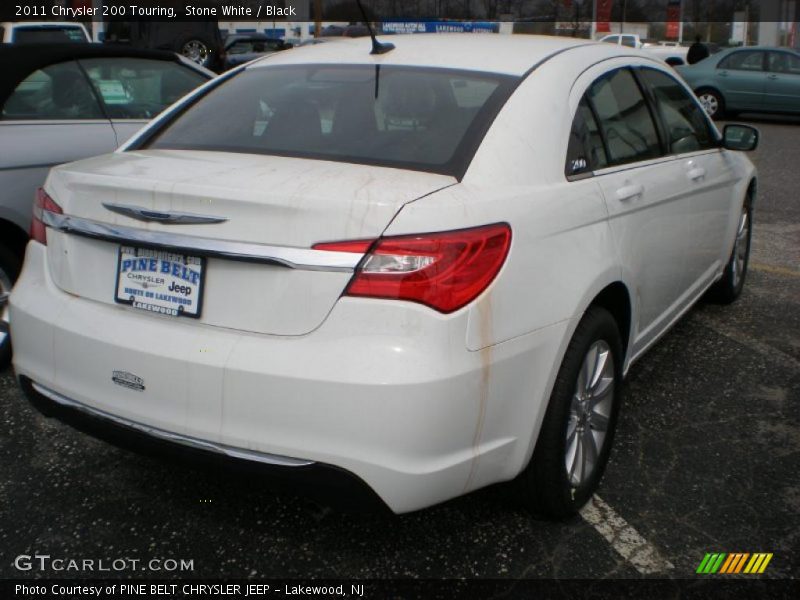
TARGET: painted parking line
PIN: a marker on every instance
(731, 331)
(624, 539)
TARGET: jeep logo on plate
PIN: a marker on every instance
(128, 380)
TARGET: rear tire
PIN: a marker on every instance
(9, 271)
(730, 287)
(578, 428)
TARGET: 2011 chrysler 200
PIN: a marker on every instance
(426, 270)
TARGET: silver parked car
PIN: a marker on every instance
(64, 102)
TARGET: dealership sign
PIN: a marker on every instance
(440, 27)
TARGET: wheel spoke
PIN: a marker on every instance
(599, 422)
(576, 458)
(584, 466)
(601, 361)
(601, 390)
(742, 225)
(572, 427)
(587, 370)
(590, 445)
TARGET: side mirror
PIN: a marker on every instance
(740, 137)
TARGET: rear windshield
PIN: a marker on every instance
(48, 35)
(413, 118)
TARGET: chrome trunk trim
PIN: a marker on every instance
(286, 256)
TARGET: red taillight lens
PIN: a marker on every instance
(42, 203)
(444, 270)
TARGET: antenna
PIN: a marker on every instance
(377, 47)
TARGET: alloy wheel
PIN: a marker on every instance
(590, 413)
(710, 103)
(196, 51)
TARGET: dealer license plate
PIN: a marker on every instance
(160, 281)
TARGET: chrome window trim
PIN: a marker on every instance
(305, 259)
(178, 438)
(667, 158)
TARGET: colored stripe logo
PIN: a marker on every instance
(733, 563)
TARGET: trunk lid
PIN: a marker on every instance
(268, 200)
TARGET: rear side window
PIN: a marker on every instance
(407, 117)
(136, 88)
(585, 152)
(686, 124)
(625, 120)
(743, 61)
(57, 92)
(783, 62)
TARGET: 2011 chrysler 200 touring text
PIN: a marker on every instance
(425, 270)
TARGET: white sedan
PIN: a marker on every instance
(423, 271)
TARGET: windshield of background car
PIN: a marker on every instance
(407, 117)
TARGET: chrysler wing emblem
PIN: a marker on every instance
(169, 218)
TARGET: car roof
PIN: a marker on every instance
(505, 54)
(58, 24)
(762, 48)
(20, 60)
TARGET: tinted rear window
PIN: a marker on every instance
(414, 118)
(48, 35)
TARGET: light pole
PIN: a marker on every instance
(624, 13)
(98, 25)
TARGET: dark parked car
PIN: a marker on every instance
(199, 41)
(242, 48)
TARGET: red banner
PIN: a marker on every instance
(603, 15)
(673, 19)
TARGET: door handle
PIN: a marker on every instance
(723, 73)
(772, 76)
(696, 174)
(629, 192)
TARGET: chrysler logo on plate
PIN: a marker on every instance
(128, 380)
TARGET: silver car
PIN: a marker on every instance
(60, 103)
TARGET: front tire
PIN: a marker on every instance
(730, 287)
(578, 428)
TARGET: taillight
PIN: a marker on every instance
(445, 271)
(42, 203)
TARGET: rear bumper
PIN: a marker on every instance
(327, 483)
(386, 391)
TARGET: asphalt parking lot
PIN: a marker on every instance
(705, 460)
